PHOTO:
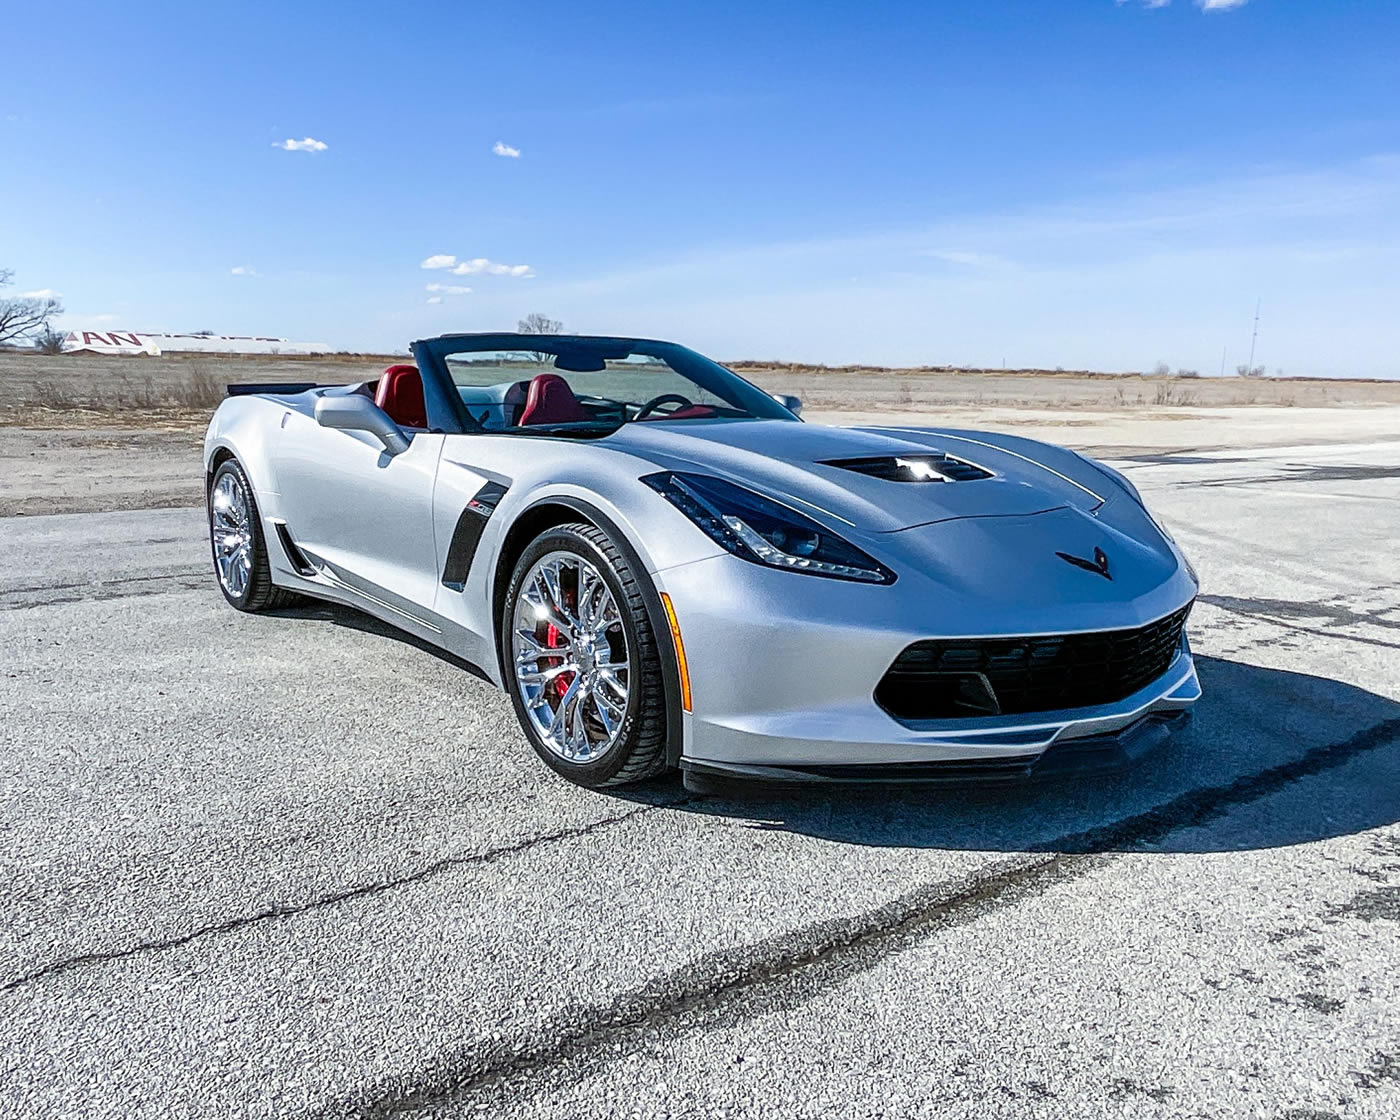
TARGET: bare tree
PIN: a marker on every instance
(24, 316)
(49, 341)
(1251, 371)
(535, 323)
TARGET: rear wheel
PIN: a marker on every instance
(581, 660)
(236, 540)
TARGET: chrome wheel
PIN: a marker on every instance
(231, 528)
(570, 657)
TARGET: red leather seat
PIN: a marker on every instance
(551, 401)
(400, 394)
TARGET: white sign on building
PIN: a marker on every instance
(154, 342)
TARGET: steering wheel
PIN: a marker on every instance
(664, 398)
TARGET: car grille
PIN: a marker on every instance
(957, 678)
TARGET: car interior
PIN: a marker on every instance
(546, 398)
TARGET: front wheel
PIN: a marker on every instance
(581, 659)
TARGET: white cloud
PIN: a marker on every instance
(502, 149)
(448, 289)
(244, 270)
(41, 293)
(477, 266)
(972, 260)
(435, 299)
(307, 145)
(480, 265)
(1204, 5)
(104, 318)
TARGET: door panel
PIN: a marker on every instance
(366, 513)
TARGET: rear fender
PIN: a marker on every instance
(248, 428)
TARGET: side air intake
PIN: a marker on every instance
(935, 467)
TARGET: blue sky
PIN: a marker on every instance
(1083, 183)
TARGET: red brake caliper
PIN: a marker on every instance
(553, 639)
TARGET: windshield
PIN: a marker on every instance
(591, 386)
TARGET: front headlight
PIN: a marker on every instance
(763, 531)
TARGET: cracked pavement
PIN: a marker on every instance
(301, 865)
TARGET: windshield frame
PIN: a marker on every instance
(443, 398)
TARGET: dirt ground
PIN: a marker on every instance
(80, 434)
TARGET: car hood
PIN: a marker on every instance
(794, 462)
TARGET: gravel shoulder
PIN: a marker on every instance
(85, 470)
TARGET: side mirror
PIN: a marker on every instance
(355, 413)
(792, 404)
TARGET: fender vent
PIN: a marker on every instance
(298, 558)
(470, 525)
(933, 467)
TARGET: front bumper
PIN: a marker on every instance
(784, 669)
(1082, 757)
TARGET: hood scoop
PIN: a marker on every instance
(931, 467)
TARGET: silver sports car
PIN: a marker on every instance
(664, 566)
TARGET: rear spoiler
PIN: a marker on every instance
(277, 388)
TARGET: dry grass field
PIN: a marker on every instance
(74, 389)
(81, 433)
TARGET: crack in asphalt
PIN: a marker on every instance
(1199, 806)
(1277, 612)
(816, 957)
(277, 912)
(1292, 608)
(123, 588)
(1318, 472)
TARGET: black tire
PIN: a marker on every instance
(259, 594)
(639, 751)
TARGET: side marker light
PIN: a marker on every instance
(681, 666)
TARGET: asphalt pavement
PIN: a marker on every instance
(298, 865)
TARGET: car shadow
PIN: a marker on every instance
(1271, 759)
(1231, 781)
(352, 619)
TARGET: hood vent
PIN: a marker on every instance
(932, 467)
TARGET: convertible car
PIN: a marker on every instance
(664, 566)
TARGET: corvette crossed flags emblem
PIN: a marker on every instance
(1098, 565)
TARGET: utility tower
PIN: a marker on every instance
(1257, 304)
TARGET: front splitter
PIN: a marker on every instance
(1072, 758)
